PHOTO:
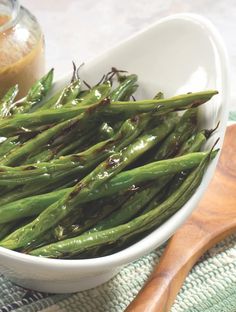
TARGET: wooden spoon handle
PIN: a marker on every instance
(180, 255)
(213, 220)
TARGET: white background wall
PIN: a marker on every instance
(81, 29)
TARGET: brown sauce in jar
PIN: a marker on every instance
(21, 58)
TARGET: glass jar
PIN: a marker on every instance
(21, 48)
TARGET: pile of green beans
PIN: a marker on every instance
(88, 170)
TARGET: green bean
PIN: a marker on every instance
(81, 95)
(133, 205)
(193, 144)
(104, 171)
(159, 96)
(129, 93)
(8, 227)
(128, 210)
(68, 94)
(155, 217)
(163, 106)
(126, 179)
(141, 198)
(84, 192)
(17, 124)
(73, 225)
(130, 129)
(78, 164)
(7, 101)
(118, 161)
(35, 95)
(197, 142)
(106, 131)
(96, 94)
(124, 109)
(121, 91)
(30, 99)
(21, 153)
(75, 146)
(149, 172)
(30, 206)
(5, 229)
(98, 188)
(72, 141)
(74, 133)
(48, 104)
(190, 185)
(8, 144)
(174, 203)
(43, 156)
(184, 129)
(59, 180)
(164, 214)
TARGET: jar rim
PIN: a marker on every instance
(15, 8)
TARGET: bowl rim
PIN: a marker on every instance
(148, 243)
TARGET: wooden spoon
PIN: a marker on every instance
(211, 222)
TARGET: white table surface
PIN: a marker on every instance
(81, 29)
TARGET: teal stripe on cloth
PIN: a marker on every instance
(210, 286)
(232, 116)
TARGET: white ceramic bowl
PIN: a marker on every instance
(178, 54)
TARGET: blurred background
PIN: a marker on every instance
(81, 29)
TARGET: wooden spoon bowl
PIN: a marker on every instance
(211, 222)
